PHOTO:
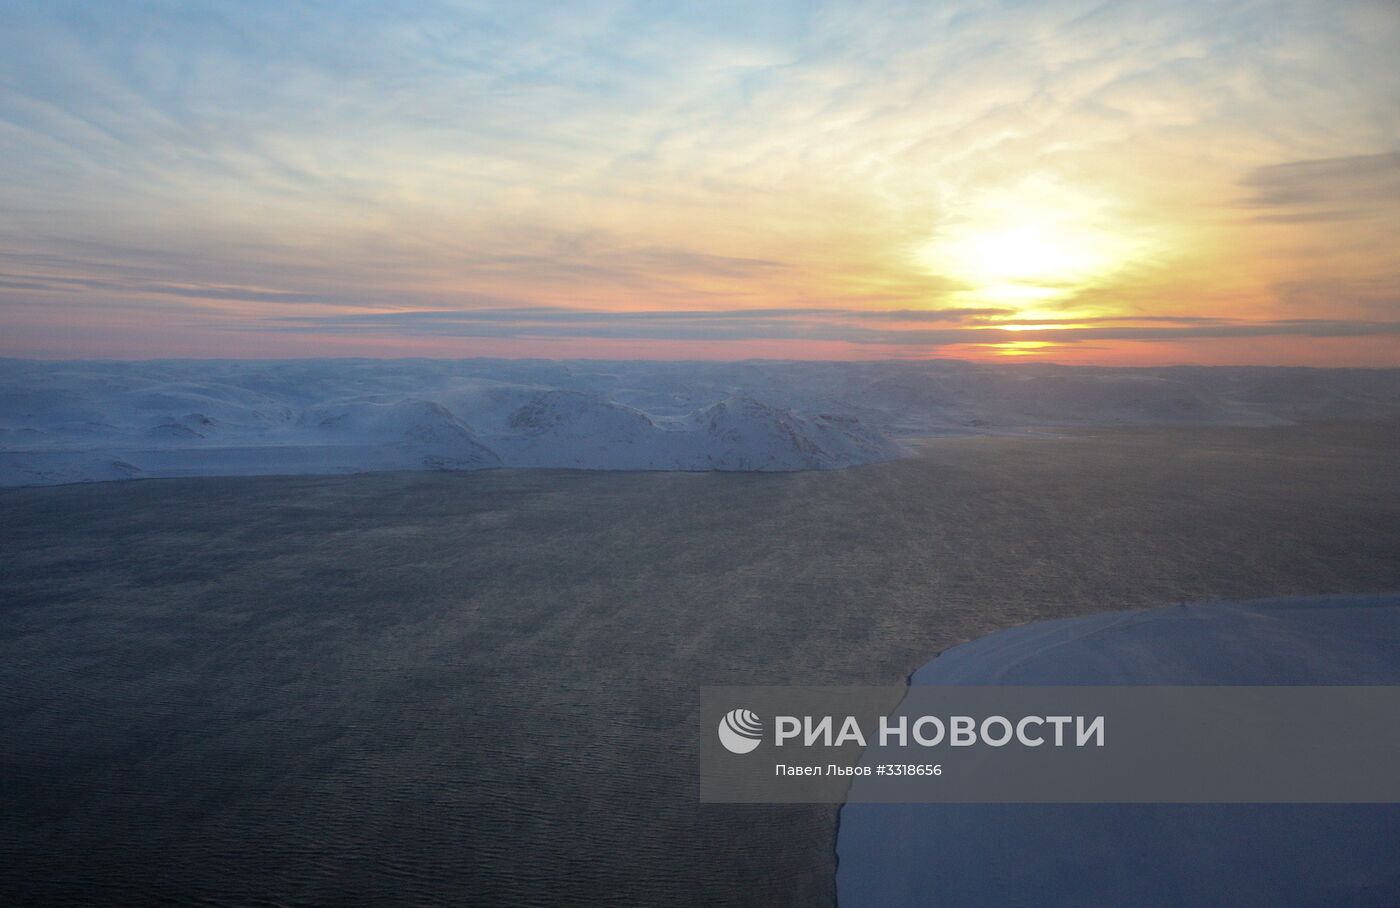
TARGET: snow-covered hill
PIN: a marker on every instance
(79, 421)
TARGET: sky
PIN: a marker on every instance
(1122, 184)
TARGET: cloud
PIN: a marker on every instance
(1328, 189)
(842, 325)
(251, 159)
(184, 291)
(699, 325)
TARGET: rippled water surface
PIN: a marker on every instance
(479, 688)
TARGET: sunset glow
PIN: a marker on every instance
(1031, 248)
(1143, 183)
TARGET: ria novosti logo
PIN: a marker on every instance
(740, 731)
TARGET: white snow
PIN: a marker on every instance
(1145, 854)
(82, 421)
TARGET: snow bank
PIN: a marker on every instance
(1243, 855)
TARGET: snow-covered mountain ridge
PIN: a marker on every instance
(80, 421)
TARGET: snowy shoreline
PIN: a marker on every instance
(68, 421)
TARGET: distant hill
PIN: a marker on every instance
(93, 421)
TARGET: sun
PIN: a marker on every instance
(1029, 253)
(1036, 245)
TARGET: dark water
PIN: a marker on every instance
(478, 688)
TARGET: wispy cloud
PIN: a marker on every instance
(847, 326)
(1331, 189)
(240, 165)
